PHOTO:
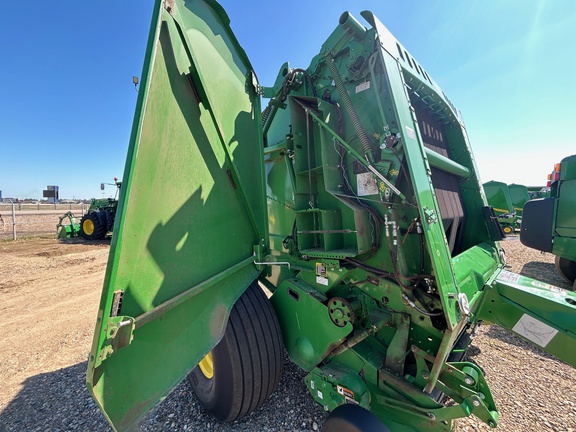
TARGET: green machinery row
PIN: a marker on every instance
(353, 197)
(507, 202)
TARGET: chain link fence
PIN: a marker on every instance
(24, 220)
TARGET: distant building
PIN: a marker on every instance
(51, 194)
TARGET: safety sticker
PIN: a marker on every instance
(366, 184)
(534, 330)
(320, 395)
(553, 288)
(362, 86)
(348, 394)
(322, 280)
(410, 132)
(507, 276)
(320, 269)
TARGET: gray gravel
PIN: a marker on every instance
(533, 390)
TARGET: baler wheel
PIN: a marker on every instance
(91, 227)
(567, 268)
(352, 418)
(239, 374)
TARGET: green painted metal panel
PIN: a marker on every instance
(539, 312)
(191, 211)
(566, 209)
(519, 195)
(498, 196)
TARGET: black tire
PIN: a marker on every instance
(352, 418)
(247, 362)
(92, 227)
(567, 268)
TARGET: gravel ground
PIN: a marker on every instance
(533, 390)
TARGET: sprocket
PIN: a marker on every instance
(340, 311)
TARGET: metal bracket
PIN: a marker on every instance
(119, 334)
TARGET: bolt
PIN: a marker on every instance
(476, 402)
(468, 380)
(491, 424)
(431, 416)
(425, 375)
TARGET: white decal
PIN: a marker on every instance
(322, 280)
(507, 276)
(320, 394)
(410, 133)
(534, 330)
(362, 86)
(366, 184)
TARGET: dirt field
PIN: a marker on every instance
(49, 295)
(34, 223)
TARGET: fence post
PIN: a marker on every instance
(13, 221)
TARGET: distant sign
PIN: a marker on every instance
(51, 192)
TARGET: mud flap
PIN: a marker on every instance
(537, 222)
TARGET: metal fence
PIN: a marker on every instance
(24, 220)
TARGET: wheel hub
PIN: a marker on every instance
(206, 365)
(88, 226)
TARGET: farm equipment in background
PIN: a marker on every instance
(549, 224)
(99, 219)
(498, 196)
(70, 229)
(354, 198)
(538, 192)
(96, 223)
(520, 196)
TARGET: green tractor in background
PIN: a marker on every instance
(499, 197)
(99, 219)
(96, 223)
(549, 224)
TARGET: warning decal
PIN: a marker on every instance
(534, 330)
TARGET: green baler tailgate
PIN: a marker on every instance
(189, 216)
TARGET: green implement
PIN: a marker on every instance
(71, 229)
(353, 197)
(500, 198)
(549, 224)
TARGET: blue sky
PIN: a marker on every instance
(67, 98)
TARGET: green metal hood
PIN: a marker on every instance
(191, 215)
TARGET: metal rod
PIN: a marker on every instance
(13, 221)
(310, 202)
(443, 163)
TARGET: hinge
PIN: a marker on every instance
(119, 334)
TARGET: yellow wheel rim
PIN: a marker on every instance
(207, 366)
(88, 226)
(507, 230)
